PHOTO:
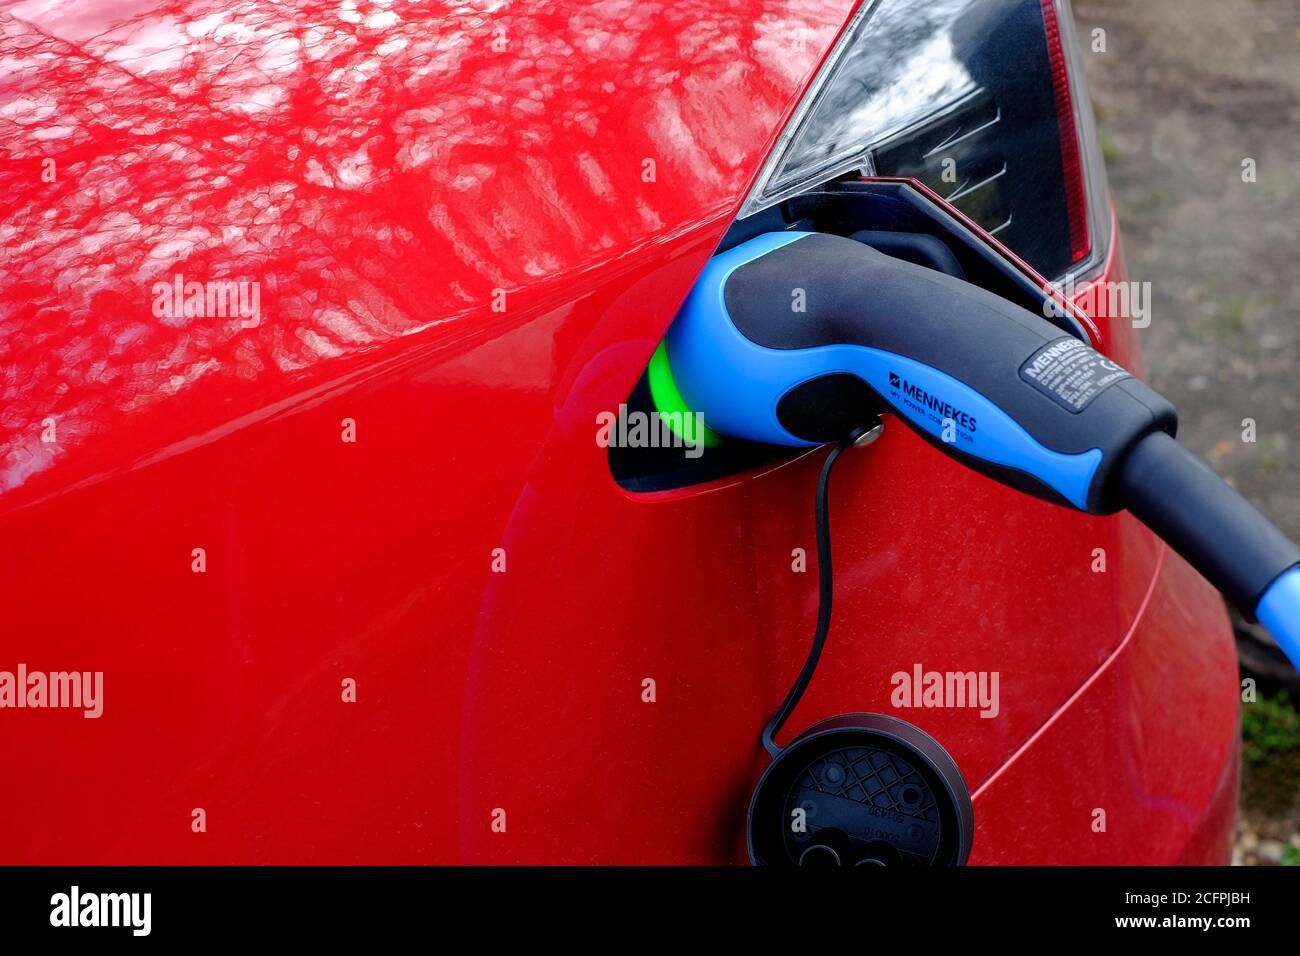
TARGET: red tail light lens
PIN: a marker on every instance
(1071, 161)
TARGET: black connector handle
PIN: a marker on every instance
(1219, 532)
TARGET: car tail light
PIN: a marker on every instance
(982, 100)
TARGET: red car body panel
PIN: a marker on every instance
(386, 173)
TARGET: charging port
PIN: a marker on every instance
(666, 446)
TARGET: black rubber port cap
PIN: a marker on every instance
(861, 790)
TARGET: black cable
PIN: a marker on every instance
(825, 582)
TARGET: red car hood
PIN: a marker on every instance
(380, 170)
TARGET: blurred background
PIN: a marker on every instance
(1185, 91)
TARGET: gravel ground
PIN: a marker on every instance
(1185, 91)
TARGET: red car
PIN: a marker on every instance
(309, 315)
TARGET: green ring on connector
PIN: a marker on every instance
(668, 401)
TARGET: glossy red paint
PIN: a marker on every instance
(384, 171)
